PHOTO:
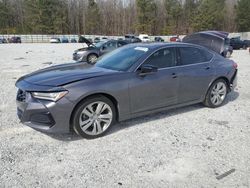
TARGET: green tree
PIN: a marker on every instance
(92, 18)
(173, 16)
(243, 15)
(209, 15)
(45, 16)
(146, 11)
(7, 24)
(188, 13)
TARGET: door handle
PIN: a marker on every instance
(174, 75)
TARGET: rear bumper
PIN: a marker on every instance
(45, 116)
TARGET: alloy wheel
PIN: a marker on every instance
(95, 118)
(218, 93)
(92, 59)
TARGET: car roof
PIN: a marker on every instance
(157, 45)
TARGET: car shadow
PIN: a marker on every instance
(143, 119)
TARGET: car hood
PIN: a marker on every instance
(83, 39)
(85, 49)
(214, 40)
(64, 74)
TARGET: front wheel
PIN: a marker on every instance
(92, 58)
(94, 117)
(216, 94)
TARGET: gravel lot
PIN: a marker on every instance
(186, 147)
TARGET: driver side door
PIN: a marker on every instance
(156, 89)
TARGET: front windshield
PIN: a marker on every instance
(121, 59)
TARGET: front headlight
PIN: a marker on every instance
(52, 96)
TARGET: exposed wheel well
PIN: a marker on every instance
(226, 80)
(110, 97)
(222, 77)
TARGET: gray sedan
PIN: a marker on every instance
(131, 81)
(95, 50)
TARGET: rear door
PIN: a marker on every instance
(195, 72)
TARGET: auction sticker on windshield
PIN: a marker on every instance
(141, 49)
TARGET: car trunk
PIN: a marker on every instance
(213, 40)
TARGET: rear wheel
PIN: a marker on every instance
(92, 58)
(94, 117)
(216, 94)
(228, 54)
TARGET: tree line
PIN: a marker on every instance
(118, 17)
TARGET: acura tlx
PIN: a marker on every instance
(131, 81)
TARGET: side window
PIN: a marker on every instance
(110, 45)
(121, 43)
(190, 55)
(162, 58)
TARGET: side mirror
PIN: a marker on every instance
(147, 69)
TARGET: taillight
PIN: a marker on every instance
(235, 65)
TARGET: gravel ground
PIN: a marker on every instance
(185, 147)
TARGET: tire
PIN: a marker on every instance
(91, 59)
(216, 94)
(244, 47)
(228, 54)
(94, 117)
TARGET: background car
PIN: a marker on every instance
(175, 39)
(105, 38)
(73, 40)
(237, 43)
(65, 40)
(217, 41)
(135, 80)
(130, 38)
(247, 42)
(3, 40)
(94, 50)
(55, 40)
(97, 39)
(144, 38)
(159, 39)
(15, 40)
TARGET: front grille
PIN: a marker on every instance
(21, 95)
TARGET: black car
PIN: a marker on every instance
(216, 40)
(73, 40)
(94, 50)
(97, 39)
(130, 38)
(159, 39)
(247, 42)
(15, 40)
(237, 43)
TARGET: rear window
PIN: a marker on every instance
(190, 55)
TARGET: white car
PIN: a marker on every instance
(55, 40)
(144, 38)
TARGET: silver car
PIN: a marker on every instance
(95, 50)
